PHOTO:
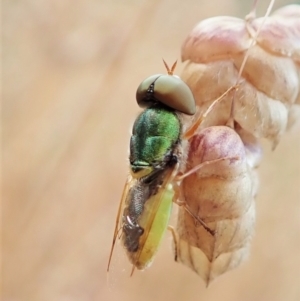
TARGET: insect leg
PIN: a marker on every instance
(199, 166)
(176, 250)
(190, 132)
(197, 218)
(177, 198)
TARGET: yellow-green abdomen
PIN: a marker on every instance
(153, 221)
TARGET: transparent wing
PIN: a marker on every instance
(118, 226)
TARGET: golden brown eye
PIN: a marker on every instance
(167, 89)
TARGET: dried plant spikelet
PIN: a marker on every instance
(282, 37)
(252, 147)
(280, 33)
(268, 99)
(266, 103)
(222, 195)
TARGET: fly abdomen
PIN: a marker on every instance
(135, 201)
(137, 197)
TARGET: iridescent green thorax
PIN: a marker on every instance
(155, 135)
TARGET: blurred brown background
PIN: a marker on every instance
(71, 69)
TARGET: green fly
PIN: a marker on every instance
(156, 155)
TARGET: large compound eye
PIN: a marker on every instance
(167, 89)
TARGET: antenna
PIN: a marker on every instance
(170, 71)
